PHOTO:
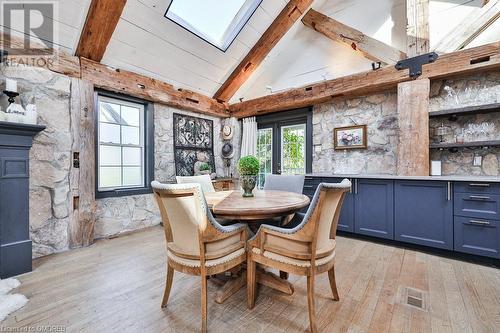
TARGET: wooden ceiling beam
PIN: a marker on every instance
(482, 58)
(140, 86)
(417, 28)
(56, 61)
(473, 25)
(283, 22)
(369, 47)
(102, 19)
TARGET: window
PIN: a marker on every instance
(124, 146)
(284, 143)
(293, 149)
(264, 153)
(218, 22)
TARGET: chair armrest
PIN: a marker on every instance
(217, 233)
(260, 239)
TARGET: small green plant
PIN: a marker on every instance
(248, 166)
(205, 167)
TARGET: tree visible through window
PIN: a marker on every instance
(293, 155)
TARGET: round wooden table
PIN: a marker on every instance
(263, 205)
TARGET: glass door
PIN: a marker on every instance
(284, 143)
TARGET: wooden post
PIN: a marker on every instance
(82, 176)
(417, 29)
(413, 112)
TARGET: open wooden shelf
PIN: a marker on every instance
(469, 110)
(493, 143)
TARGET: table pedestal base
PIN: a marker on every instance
(264, 278)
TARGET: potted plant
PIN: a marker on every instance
(248, 168)
(205, 169)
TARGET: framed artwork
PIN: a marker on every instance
(350, 137)
(193, 144)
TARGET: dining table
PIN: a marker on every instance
(263, 206)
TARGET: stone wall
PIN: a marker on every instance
(379, 113)
(50, 162)
(50, 200)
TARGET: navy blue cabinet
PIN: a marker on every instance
(424, 213)
(477, 218)
(374, 207)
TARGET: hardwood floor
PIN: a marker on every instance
(117, 286)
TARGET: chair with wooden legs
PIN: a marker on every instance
(196, 243)
(307, 250)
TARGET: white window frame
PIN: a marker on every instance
(121, 102)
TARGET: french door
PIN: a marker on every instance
(284, 143)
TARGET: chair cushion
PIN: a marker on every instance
(208, 263)
(299, 248)
(292, 261)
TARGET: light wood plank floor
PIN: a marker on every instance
(116, 286)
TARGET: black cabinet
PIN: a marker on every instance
(15, 243)
(424, 213)
(374, 207)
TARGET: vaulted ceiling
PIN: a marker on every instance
(145, 42)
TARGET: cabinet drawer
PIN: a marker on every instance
(485, 206)
(477, 187)
(312, 181)
(477, 236)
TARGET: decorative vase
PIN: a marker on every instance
(248, 184)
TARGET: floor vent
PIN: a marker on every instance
(415, 298)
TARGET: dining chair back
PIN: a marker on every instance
(196, 243)
(307, 249)
(289, 183)
(204, 180)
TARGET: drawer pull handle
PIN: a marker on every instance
(479, 185)
(309, 178)
(308, 186)
(480, 222)
(479, 197)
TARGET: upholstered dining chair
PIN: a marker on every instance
(196, 243)
(204, 180)
(289, 183)
(307, 250)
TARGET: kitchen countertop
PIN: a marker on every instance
(490, 179)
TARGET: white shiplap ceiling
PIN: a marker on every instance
(147, 43)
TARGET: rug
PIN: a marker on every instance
(10, 302)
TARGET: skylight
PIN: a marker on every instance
(218, 22)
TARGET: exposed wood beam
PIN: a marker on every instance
(485, 57)
(369, 47)
(470, 28)
(102, 18)
(283, 22)
(150, 89)
(53, 60)
(413, 124)
(417, 28)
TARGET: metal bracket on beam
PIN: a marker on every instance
(415, 64)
